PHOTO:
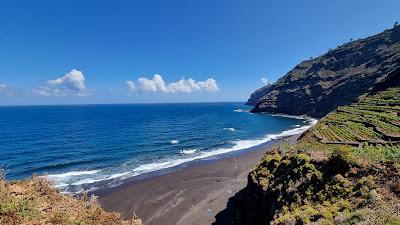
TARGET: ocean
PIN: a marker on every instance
(86, 147)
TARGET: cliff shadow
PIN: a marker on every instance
(227, 216)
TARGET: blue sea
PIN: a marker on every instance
(85, 147)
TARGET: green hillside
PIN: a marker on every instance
(374, 119)
(345, 170)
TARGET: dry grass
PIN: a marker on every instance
(35, 201)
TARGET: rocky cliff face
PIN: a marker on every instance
(316, 87)
(293, 189)
(344, 170)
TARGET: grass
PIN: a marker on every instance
(372, 154)
(374, 119)
(318, 183)
(363, 155)
(35, 201)
(345, 170)
(18, 208)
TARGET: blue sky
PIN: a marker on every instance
(78, 52)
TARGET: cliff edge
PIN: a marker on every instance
(316, 87)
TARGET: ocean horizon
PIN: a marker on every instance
(122, 103)
(86, 147)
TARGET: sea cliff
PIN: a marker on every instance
(317, 86)
(344, 170)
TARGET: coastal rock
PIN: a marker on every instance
(344, 170)
(301, 189)
(317, 86)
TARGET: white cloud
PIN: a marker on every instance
(7, 90)
(72, 83)
(157, 84)
(131, 86)
(264, 80)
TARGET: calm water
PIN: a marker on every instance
(83, 147)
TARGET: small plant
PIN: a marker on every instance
(3, 173)
(35, 201)
(18, 208)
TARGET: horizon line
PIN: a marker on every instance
(126, 103)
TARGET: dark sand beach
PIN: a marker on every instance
(191, 196)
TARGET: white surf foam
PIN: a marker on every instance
(156, 166)
(87, 181)
(241, 110)
(231, 129)
(116, 175)
(303, 117)
(174, 142)
(188, 151)
(72, 173)
(61, 185)
(95, 179)
(238, 145)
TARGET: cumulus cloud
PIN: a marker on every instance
(3, 86)
(131, 86)
(72, 83)
(264, 80)
(157, 84)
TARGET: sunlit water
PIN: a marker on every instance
(85, 147)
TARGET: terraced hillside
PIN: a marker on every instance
(374, 119)
(345, 170)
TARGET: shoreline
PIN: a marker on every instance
(193, 195)
(153, 169)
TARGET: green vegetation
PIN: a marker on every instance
(22, 208)
(345, 170)
(368, 130)
(332, 188)
(374, 119)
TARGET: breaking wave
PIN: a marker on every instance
(241, 110)
(174, 142)
(188, 151)
(77, 178)
(231, 129)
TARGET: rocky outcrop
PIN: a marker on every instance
(316, 87)
(258, 94)
(344, 170)
(292, 189)
(283, 182)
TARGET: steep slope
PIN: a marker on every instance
(352, 179)
(316, 87)
(258, 94)
(35, 201)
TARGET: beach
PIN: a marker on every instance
(190, 196)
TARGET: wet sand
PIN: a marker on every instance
(191, 196)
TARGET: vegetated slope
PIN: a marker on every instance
(347, 175)
(34, 201)
(316, 87)
(374, 119)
